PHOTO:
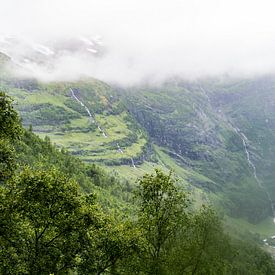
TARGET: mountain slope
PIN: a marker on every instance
(194, 128)
(85, 117)
(183, 117)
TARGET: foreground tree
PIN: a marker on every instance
(106, 247)
(10, 126)
(48, 227)
(201, 248)
(10, 131)
(43, 223)
(162, 211)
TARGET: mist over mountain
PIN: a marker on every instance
(137, 137)
(61, 59)
(142, 41)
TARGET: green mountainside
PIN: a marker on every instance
(250, 106)
(60, 215)
(53, 111)
(110, 137)
(193, 128)
(186, 119)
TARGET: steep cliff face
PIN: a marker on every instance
(205, 123)
(250, 106)
(177, 117)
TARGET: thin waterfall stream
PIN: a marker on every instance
(98, 125)
(248, 158)
(245, 141)
(89, 113)
(122, 152)
(252, 165)
(133, 163)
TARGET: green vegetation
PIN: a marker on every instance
(193, 124)
(181, 126)
(249, 104)
(54, 112)
(61, 216)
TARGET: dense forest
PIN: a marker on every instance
(62, 216)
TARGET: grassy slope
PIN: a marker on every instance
(212, 160)
(187, 177)
(53, 112)
(249, 105)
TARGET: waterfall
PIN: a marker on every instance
(251, 164)
(80, 102)
(98, 125)
(119, 149)
(247, 153)
(88, 111)
(101, 131)
(122, 152)
(133, 163)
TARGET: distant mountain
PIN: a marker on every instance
(221, 129)
(217, 135)
(26, 53)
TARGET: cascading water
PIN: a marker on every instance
(133, 163)
(119, 149)
(75, 97)
(251, 164)
(88, 111)
(122, 152)
(205, 94)
(98, 126)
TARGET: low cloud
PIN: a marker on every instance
(146, 40)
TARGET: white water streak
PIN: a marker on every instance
(119, 149)
(251, 164)
(205, 94)
(133, 163)
(98, 126)
(122, 152)
(88, 111)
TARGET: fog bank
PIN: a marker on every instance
(141, 40)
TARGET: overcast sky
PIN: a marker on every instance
(154, 38)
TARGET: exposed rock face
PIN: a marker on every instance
(183, 126)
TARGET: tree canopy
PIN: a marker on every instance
(49, 225)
